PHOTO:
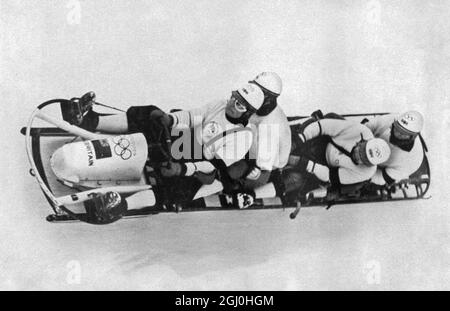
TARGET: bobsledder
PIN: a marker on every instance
(127, 168)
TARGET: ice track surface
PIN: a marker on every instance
(342, 56)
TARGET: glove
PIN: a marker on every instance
(173, 169)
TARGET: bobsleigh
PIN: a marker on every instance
(100, 163)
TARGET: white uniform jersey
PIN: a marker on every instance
(271, 140)
(219, 137)
(401, 164)
(345, 134)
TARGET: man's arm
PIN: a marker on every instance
(187, 168)
(226, 155)
(373, 124)
(232, 147)
(265, 150)
(194, 117)
(379, 123)
(186, 118)
(329, 127)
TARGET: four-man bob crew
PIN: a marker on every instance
(249, 152)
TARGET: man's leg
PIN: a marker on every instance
(141, 199)
(289, 185)
(79, 112)
(207, 190)
(136, 119)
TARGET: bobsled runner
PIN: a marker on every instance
(70, 194)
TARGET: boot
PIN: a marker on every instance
(79, 112)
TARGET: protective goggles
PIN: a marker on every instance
(240, 104)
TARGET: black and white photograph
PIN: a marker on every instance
(216, 146)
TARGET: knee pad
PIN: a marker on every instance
(138, 118)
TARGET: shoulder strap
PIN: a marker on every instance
(341, 149)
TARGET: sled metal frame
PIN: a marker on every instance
(34, 157)
(61, 213)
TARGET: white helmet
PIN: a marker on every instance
(269, 81)
(374, 151)
(253, 96)
(410, 122)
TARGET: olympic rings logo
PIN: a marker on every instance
(121, 148)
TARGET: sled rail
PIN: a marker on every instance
(348, 115)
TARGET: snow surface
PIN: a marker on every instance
(342, 56)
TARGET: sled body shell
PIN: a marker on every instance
(91, 163)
